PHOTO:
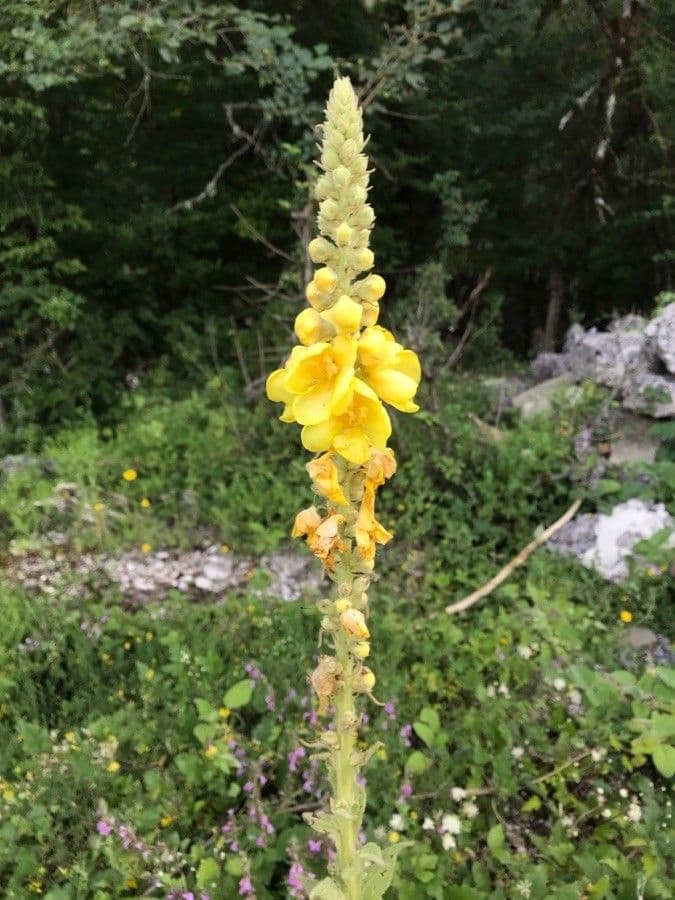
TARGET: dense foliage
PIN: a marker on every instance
(156, 157)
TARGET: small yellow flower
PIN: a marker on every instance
(326, 479)
(146, 548)
(353, 621)
(224, 548)
(131, 884)
(362, 650)
(342, 604)
(127, 645)
(70, 736)
(113, 766)
(224, 712)
(146, 503)
(626, 616)
(130, 475)
(99, 507)
(150, 675)
(382, 754)
(35, 887)
(211, 751)
(149, 636)
(167, 820)
(394, 837)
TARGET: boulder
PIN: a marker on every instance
(652, 395)
(610, 359)
(538, 399)
(660, 335)
(549, 365)
(605, 541)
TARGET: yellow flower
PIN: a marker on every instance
(278, 393)
(35, 887)
(311, 327)
(362, 650)
(99, 507)
(364, 680)
(342, 604)
(367, 530)
(321, 376)
(130, 475)
(371, 288)
(392, 372)
(131, 884)
(362, 426)
(325, 477)
(325, 279)
(146, 548)
(113, 766)
(381, 466)
(394, 837)
(150, 675)
(71, 737)
(167, 820)
(145, 503)
(224, 712)
(224, 548)
(211, 751)
(353, 621)
(345, 316)
(626, 616)
(306, 522)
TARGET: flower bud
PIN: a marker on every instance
(354, 623)
(329, 209)
(371, 288)
(362, 650)
(320, 250)
(364, 680)
(348, 151)
(310, 327)
(342, 234)
(345, 314)
(365, 259)
(365, 216)
(371, 313)
(341, 176)
(325, 279)
(329, 158)
(342, 604)
(322, 187)
(329, 739)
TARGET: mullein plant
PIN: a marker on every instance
(334, 384)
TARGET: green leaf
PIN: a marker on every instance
(664, 760)
(239, 694)
(430, 717)
(495, 839)
(662, 726)
(424, 733)
(208, 872)
(531, 805)
(417, 763)
(327, 889)
(205, 710)
(205, 732)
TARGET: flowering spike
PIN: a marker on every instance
(335, 386)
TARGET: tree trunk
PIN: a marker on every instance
(556, 301)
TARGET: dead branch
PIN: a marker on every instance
(517, 561)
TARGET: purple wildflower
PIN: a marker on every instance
(245, 887)
(314, 846)
(104, 827)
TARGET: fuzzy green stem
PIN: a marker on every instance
(346, 786)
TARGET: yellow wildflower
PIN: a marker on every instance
(325, 478)
(362, 426)
(344, 316)
(381, 466)
(311, 327)
(146, 548)
(35, 887)
(368, 531)
(99, 507)
(224, 548)
(211, 751)
(278, 393)
(146, 503)
(130, 475)
(321, 376)
(70, 737)
(224, 712)
(131, 884)
(167, 820)
(394, 837)
(626, 616)
(353, 621)
(393, 372)
(113, 766)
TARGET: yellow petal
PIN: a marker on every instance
(345, 315)
(319, 437)
(314, 406)
(353, 445)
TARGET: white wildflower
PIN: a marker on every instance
(469, 809)
(451, 824)
(575, 697)
(524, 888)
(524, 651)
(623, 793)
(559, 684)
(397, 822)
(606, 813)
(448, 842)
(503, 690)
(457, 794)
(634, 812)
(490, 690)
(517, 752)
(428, 824)
(598, 754)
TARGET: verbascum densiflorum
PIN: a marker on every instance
(335, 385)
